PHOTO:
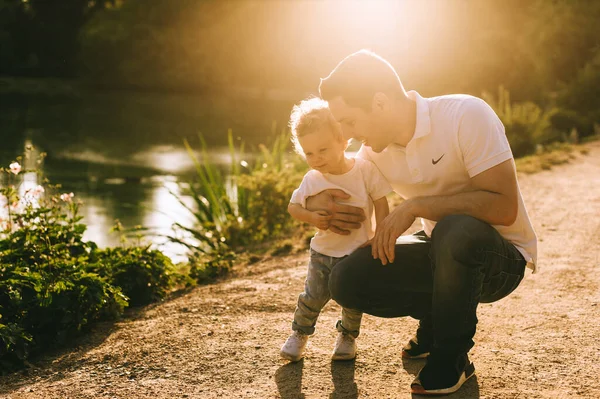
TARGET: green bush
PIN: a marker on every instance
(206, 268)
(14, 346)
(526, 124)
(142, 274)
(565, 120)
(269, 193)
(245, 207)
(581, 99)
(46, 294)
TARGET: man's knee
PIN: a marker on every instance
(461, 236)
(345, 280)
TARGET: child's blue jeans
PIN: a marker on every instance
(316, 295)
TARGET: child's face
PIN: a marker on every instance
(323, 151)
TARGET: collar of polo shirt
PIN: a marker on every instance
(423, 127)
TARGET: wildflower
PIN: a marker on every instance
(244, 164)
(37, 191)
(15, 168)
(67, 197)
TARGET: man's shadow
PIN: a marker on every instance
(469, 390)
(344, 386)
(289, 380)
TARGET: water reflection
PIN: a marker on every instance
(149, 204)
(119, 152)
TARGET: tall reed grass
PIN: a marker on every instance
(242, 206)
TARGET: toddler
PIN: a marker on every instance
(318, 137)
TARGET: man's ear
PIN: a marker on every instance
(381, 102)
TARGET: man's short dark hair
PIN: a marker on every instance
(358, 77)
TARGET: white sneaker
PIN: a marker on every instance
(293, 349)
(345, 347)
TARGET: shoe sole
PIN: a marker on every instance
(291, 358)
(406, 355)
(418, 389)
(343, 357)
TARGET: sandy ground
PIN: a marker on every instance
(222, 341)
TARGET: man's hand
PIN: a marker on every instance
(343, 217)
(397, 222)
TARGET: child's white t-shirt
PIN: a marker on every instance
(365, 184)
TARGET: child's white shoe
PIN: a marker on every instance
(293, 349)
(345, 347)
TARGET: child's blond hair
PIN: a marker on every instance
(309, 116)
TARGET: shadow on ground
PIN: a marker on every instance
(53, 364)
(342, 374)
(289, 380)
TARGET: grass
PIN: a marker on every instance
(553, 155)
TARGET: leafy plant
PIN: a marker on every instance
(144, 275)
(245, 207)
(46, 294)
(526, 123)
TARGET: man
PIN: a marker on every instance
(449, 158)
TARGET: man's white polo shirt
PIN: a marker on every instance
(456, 137)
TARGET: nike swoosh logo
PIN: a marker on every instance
(438, 160)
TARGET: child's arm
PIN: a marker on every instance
(381, 210)
(320, 219)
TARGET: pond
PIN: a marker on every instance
(122, 153)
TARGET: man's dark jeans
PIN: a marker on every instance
(439, 281)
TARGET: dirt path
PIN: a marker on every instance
(222, 341)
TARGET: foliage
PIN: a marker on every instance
(581, 99)
(40, 38)
(552, 155)
(269, 193)
(526, 123)
(46, 294)
(243, 208)
(144, 275)
(206, 268)
(232, 212)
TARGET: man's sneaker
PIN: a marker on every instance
(345, 347)
(443, 374)
(415, 350)
(293, 349)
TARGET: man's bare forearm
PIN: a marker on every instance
(382, 209)
(491, 207)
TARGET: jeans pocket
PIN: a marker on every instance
(499, 286)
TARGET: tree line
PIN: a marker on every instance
(544, 51)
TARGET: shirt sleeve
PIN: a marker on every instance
(302, 192)
(482, 138)
(377, 185)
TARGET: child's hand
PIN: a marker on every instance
(321, 219)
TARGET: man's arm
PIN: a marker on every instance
(382, 209)
(320, 219)
(343, 217)
(492, 197)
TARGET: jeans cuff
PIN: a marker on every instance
(342, 329)
(306, 330)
